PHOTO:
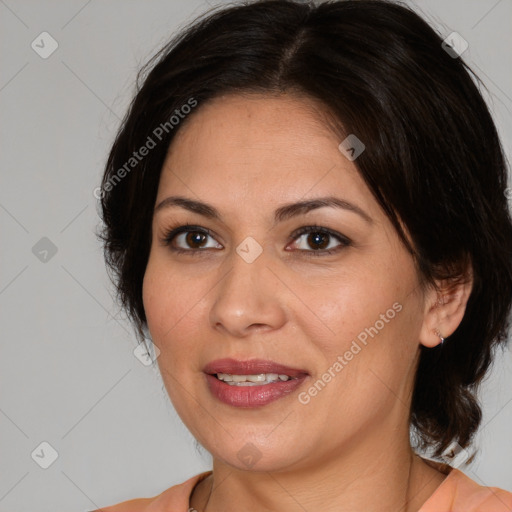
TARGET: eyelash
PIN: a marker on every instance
(174, 231)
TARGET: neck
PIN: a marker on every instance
(384, 479)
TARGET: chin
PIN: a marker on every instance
(258, 453)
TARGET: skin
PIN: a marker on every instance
(348, 448)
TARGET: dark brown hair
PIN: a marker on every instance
(433, 160)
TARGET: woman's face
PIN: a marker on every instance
(347, 321)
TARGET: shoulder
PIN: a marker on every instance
(460, 493)
(489, 499)
(479, 498)
(177, 496)
(137, 505)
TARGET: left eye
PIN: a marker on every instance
(319, 240)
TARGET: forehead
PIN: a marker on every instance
(286, 124)
(251, 130)
(258, 150)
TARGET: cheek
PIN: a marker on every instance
(172, 303)
(156, 301)
(345, 307)
(365, 332)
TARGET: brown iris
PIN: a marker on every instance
(318, 240)
(195, 237)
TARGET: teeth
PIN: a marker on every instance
(251, 380)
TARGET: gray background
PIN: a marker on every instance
(68, 373)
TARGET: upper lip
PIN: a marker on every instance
(251, 367)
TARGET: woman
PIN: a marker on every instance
(305, 210)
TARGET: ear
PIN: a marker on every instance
(445, 305)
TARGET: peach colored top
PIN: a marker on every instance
(457, 493)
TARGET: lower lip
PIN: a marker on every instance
(251, 396)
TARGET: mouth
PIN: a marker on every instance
(251, 367)
(251, 383)
(260, 379)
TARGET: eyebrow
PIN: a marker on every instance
(281, 214)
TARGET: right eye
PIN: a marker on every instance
(188, 239)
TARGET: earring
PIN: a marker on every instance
(440, 337)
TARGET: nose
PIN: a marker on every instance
(249, 298)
